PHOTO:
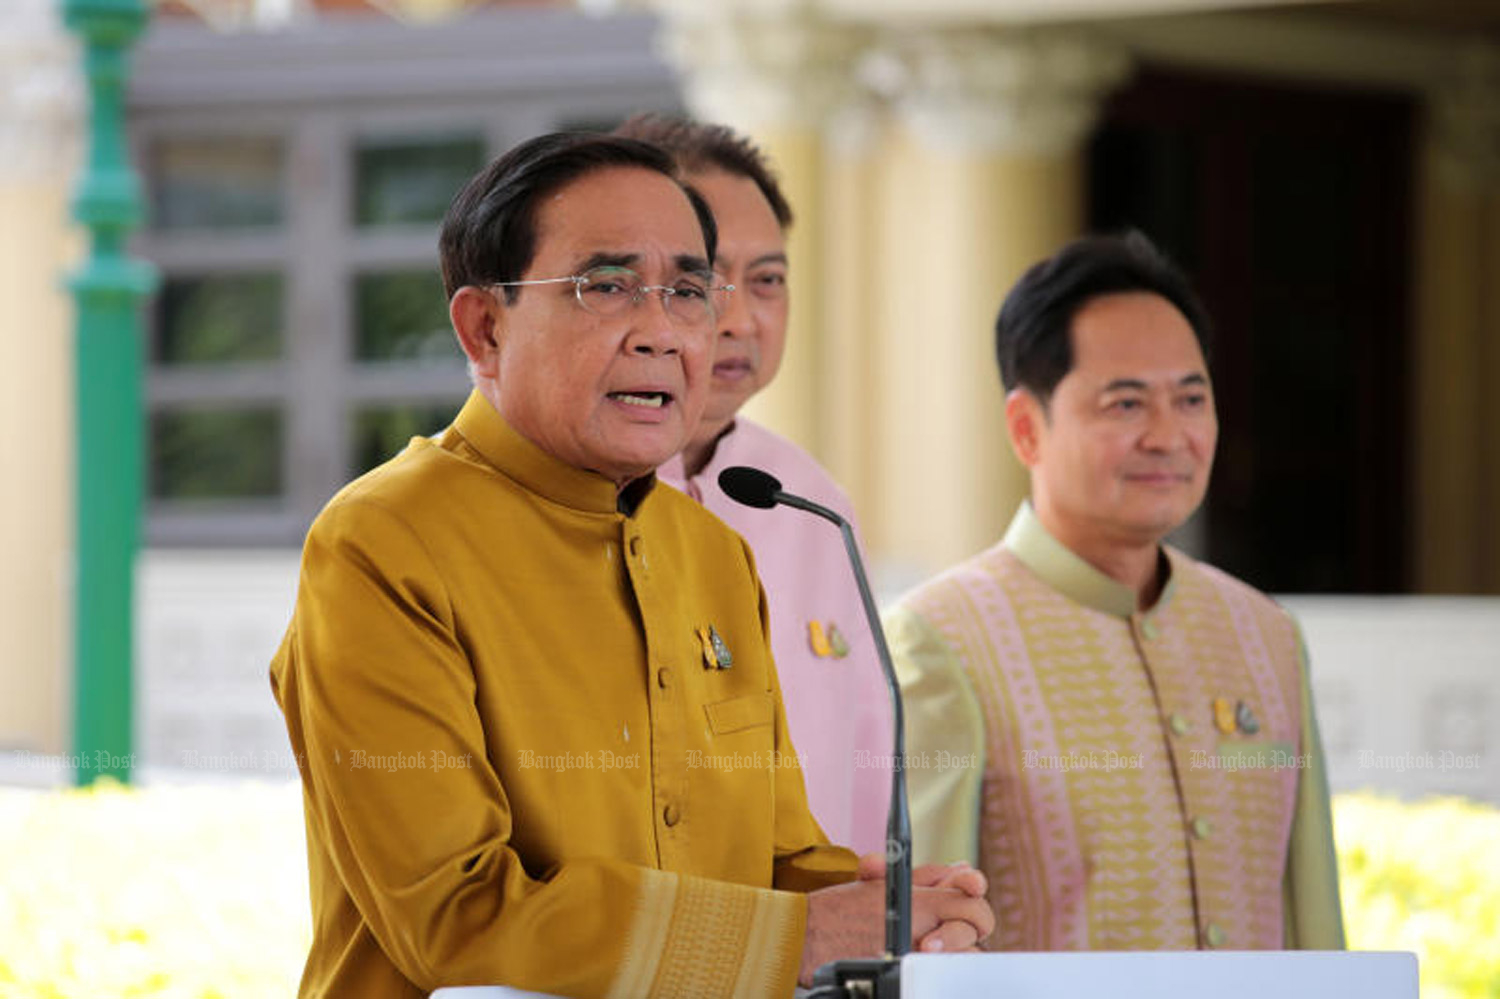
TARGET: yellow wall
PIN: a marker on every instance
(848, 355)
(957, 230)
(790, 403)
(36, 336)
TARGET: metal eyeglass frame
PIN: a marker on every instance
(667, 292)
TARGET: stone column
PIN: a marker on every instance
(1456, 488)
(781, 74)
(985, 176)
(854, 301)
(41, 111)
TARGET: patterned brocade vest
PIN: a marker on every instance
(1140, 769)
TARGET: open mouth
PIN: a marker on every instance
(649, 400)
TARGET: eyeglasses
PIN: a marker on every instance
(609, 291)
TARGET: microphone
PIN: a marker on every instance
(759, 489)
(752, 487)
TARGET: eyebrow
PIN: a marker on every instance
(1124, 384)
(686, 262)
(767, 258)
(697, 265)
(609, 260)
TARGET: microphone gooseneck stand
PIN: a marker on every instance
(875, 978)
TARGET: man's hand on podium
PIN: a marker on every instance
(948, 913)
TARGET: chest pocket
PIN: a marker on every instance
(740, 713)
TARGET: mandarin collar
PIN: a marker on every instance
(501, 446)
(1060, 567)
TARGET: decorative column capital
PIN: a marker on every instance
(1011, 91)
(1464, 117)
(41, 93)
(757, 67)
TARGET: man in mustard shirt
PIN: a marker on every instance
(541, 738)
(1119, 736)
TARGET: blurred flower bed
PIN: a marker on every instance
(200, 892)
(178, 892)
(1424, 877)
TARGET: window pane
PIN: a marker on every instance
(380, 432)
(402, 316)
(203, 453)
(219, 319)
(401, 182)
(221, 182)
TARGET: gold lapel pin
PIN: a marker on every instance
(710, 659)
(818, 640)
(1224, 715)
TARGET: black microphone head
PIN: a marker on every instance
(750, 486)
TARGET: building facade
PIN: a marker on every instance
(1329, 176)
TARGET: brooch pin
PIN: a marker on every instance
(827, 643)
(1224, 716)
(1238, 718)
(716, 654)
(818, 640)
(1245, 719)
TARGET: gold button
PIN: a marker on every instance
(664, 677)
(1202, 828)
(670, 815)
(1215, 936)
(1179, 724)
(1148, 628)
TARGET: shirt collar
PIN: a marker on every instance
(500, 445)
(1059, 567)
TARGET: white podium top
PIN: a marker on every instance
(1161, 975)
(1297, 974)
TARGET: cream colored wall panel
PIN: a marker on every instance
(789, 405)
(847, 392)
(36, 336)
(959, 231)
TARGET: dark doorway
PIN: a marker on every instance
(1289, 208)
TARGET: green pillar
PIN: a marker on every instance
(108, 290)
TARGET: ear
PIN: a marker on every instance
(1024, 422)
(476, 315)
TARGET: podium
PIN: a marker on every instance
(1261, 974)
(1294, 974)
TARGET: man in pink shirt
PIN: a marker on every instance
(836, 702)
